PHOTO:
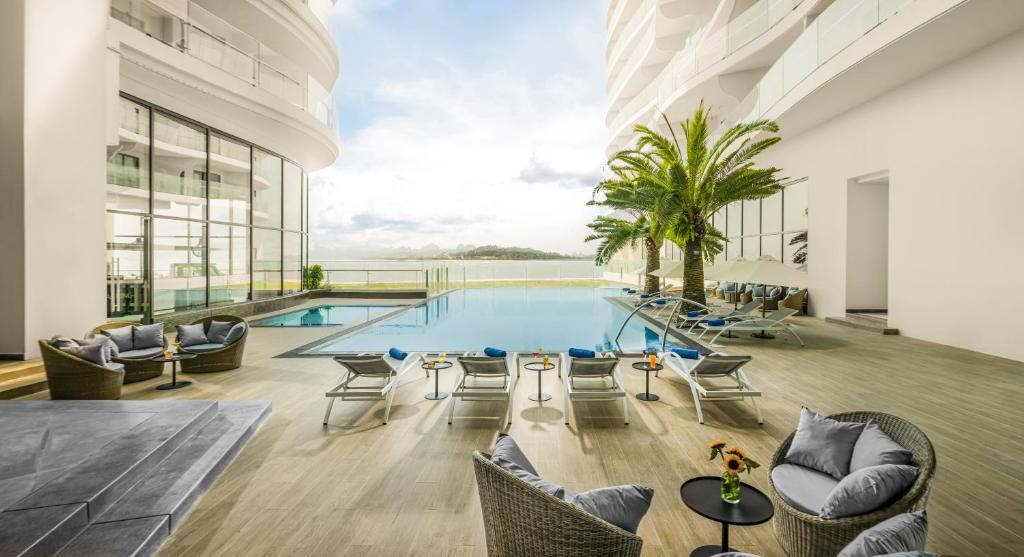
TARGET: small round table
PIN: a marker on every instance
(704, 496)
(540, 368)
(646, 366)
(436, 366)
(174, 359)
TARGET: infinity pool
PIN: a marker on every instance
(516, 319)
(322, 316)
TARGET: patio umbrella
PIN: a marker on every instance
(767, 271)
(724, 271)
(670, 269)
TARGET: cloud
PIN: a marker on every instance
(540, 172)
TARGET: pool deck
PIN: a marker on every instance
(357, 487)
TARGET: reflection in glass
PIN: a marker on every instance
(126, 267)
(266, 270)
(292, 203)
(229, 263)
(179, 266)
(179, 169)
(292, 262)
(128, 161)
(751, 217)
(795, 207)
(266, 189)
(735, 219)
(751, 248)
(771, 214)
(230, 162)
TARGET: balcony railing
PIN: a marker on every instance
(320, 8)
(641, 16)
(839, 26)
(222, 45)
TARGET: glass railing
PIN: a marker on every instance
(756, 20)
(839, 26)
(629, 110)
(639, 18)
(224, 46)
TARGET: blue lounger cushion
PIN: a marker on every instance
(687, 353)
(495, 352)
(397, 354)
(716, 323)
(694, 313)
(581, 353)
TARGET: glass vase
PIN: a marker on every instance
(730, 488)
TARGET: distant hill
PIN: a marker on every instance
(498, 252)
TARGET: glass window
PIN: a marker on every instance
(292, 262)
(305, 202)
(735, 218)
(179, 265)
(266, 189)
(128, 163)
(292, 202)
(126, 267)
(230, 162)
(771, 244)
(179, 169)
(795, 206)
(732, 249)
(751, 247)
(229, 263)
(266, 263)
(771, 214)
(751, 217)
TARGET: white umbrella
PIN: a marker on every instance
(724, 270)
(767, 271)
(670, 269)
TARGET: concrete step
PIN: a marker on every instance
(873, 324)
(22, 386)
(14, 370)
(138, 537)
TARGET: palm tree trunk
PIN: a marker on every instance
(653, 262)
(693, 271)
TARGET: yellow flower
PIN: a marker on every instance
(734, 464)
(736, 451)
(717, 444)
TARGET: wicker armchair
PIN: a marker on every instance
(806, 535)
(796, 301)
(135, 369)
(221, 359)
(72, 378)
(520, 519)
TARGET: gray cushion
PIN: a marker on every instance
(868, 489)
(874, 448)
(122, 337)
(914, 553)
(903, 532)
(110, 349)
(141, 353)
(218, 331)
(235, 333)
(532, 479)
(115, 366)
(621, 505)
(205, 347)
(147, 336)
(734, 554)
(804, 488)
(95, 353)
(507, 448)
(824, 444)
(62, 342)
(191, 335)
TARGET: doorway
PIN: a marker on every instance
(867, 245)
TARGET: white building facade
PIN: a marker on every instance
(902, 116)
(158, 153)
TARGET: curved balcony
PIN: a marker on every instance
(641, 18)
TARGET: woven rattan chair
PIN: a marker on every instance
(220, 359)
(807, 535)
(135, 370)
(520, 519)
(795, 301)
(72, 378)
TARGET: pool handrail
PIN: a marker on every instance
(679, 300)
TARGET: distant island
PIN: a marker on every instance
(513, 253)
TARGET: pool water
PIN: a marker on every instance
(322, 316)
(515, 319)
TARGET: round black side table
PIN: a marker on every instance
(436, 366)
(646, 366)
(704, 496)
(540, 368)
(174, 359)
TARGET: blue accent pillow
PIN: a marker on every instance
(694, 313)
(716, 323)
(581, 353)
(660, 302)
(397, 354)
(495, 352)
(687, 353)
(758, 291)
(729, 287)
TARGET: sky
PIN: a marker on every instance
(469, 122)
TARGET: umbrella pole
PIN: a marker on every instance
(764, 312)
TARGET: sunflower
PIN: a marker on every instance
(736, 451)
(734, 464)
(717, 444)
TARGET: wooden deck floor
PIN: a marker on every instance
(360, 488)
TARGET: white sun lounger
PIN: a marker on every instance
(484, 377)
(715, 378)
(772, 323)
(587, 379)
(370, 377)
(741, 313)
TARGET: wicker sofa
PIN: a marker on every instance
(72, 378)
(135, 368)
(807, 535)
(223, 358)
(520, 519)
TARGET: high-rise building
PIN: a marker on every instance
(157, 155)
(902, 115)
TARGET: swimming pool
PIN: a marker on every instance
(327, 315)
(516, 319)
